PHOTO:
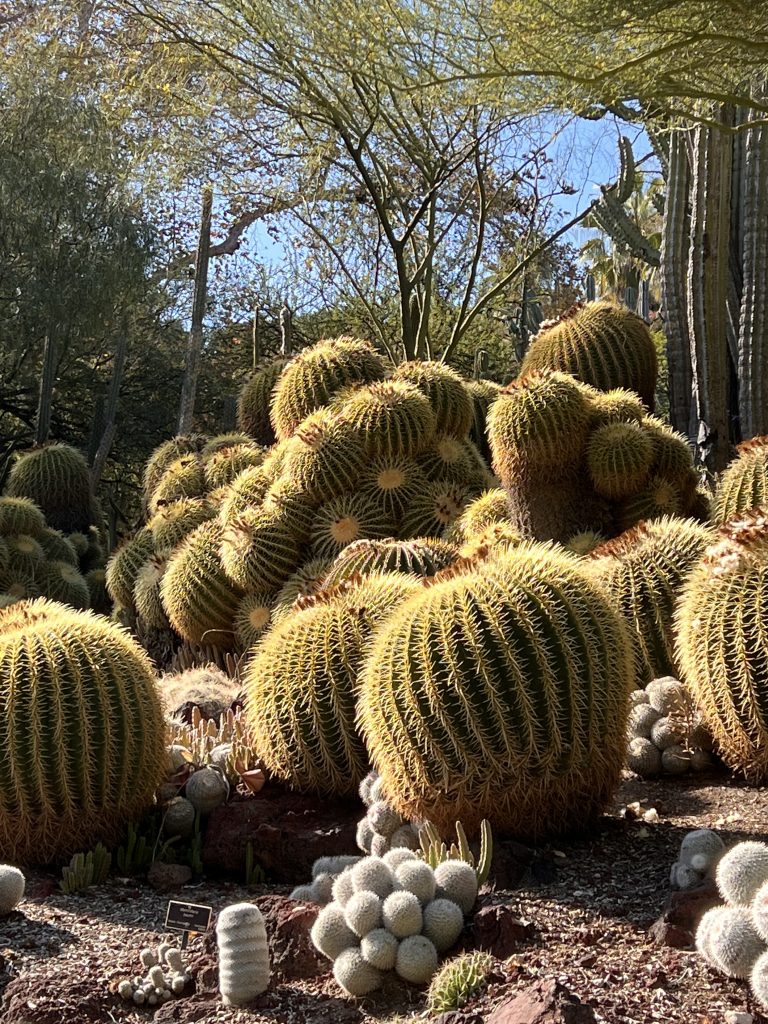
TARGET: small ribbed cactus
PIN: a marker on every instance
(243, 954)
(57, 479)
(507, 750)
(147, 598)
(487, 510)
(744, 484)
(20, 515)
(616, 406)
(619, 459)
(11, 888)
(600, 344)
(458, 980)
(74, 675)
(446, 392)
(253, 618)
(254, 401)
(184, 478)
(390, 420)
(221, 467)
(722, 655)
(301, 685)
(313, 377)
(644, 570)
(174, 522)
(434, 509)
(166, 453)
(199, 600)
(247, 491)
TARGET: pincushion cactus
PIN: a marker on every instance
(363, 912)
(354, 974)
(732, 941)
(443, 923)
(416, 960)
(760, 911)
(243, 954)
(643, 757)
(330, 933)
(742, 871)
(416, 877)
(402, 914)
(11, 888)
(457, 881)
(379, 949)
(758, 980)
(372, 875)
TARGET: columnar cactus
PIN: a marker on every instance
(722, 655)
(499, 752)
(600, 344)
(243, 954)
(70, 674)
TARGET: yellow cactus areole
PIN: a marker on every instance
(722, 642)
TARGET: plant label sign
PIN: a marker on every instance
(187, 918)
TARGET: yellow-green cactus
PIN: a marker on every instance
(20, 515)
(346, 519)
(57, 479)
(147, 598)
(434, 509)
(253, 618)
(616, 406)
(304, 582)
(323, 458)
(491, 507)
(124, 565)
(420, 557)
(222, 466)
(314, 376)
(390, 419)
(258, 551)
(82, 731)
(198, 597)
(301, 684)
(446, 392)
(744, 484)
(619, 458)
(451, 458)
(62, 582)
(501, 694)
(644, 571)
(246, 492)
(173, 522)
(184, 478)
(601, 344)
(721, 642)
(392, 484)
(165, 454)
(254, 402)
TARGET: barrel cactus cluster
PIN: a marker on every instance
(236, 532)
(666, 731)
(51, 532)
(393, 913)
(733, 938)
(574, 459)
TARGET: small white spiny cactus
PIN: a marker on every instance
(243, 954)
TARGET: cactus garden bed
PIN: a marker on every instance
(589, 905)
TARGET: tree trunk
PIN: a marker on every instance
(674, 262)
(708, 284)
(195, 341)
(45, 402)
(110, 412)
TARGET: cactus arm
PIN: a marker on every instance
(626, 183)
(483, 867)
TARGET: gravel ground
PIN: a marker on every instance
(590, 902)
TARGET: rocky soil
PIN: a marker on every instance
(583, 931)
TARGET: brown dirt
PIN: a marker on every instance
(590, 902)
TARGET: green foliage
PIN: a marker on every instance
(85, 870)
(134, 855)
(254, 872)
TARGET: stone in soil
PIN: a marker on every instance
(681, 915)
(168, 877)
(544, 1002)
(498, 930)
